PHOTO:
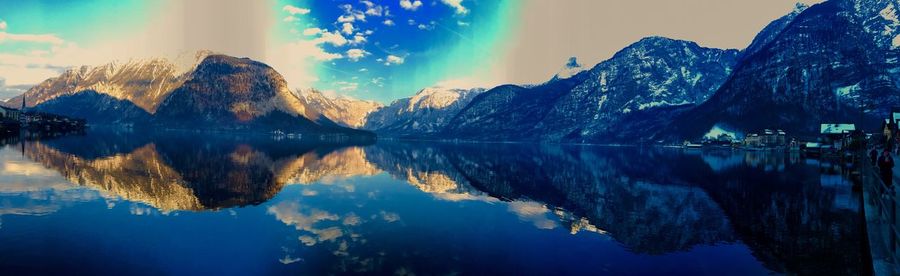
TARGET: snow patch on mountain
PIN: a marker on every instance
(426, 112)
(433, 97)
(343, 110)
(848, 91)
(889, 13)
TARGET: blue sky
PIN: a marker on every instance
(395, 47)
(375, 50)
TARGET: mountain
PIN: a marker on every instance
(143, 82)
(653, 73)
(342, 110)
(209, 91)
(428, 112)
(509, 112)
(226, 92)
(835, 62)
(95, 107)
(771, 31)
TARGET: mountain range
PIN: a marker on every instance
(834, 62)
(212, 91)
(426, 113)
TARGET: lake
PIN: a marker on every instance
(126, 203)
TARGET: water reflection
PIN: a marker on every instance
(183, 172)
(791, 213)
(657, 201)
(643, 214)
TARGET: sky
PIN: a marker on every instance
(372, 50)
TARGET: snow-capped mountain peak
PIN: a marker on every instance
(426, 112)
(435, 98)
(143, 81)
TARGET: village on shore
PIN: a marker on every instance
(18, 121)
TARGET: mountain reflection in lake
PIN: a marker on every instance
(114, 203)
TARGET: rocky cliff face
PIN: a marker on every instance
(653, 73)
(428, 112)
(347, 112)
(834, 62)
(225, 92)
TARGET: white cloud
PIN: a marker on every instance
(2, 25)
(363, 70)
(411, 22)
(334, 38)
(456, 4)
(392, 59)
(295, 10)
(347, 28)
(358, 39)
(378, 81)
(346, 18)
(410, 5)
(376, 11)
(462, 23)
(350, 14)
(288, 260)
(289, 213)
(373, 9)
(9, 91)
(388, 22)
(311, 50)
(533, 212)
(33, 38)
(29, 69)
(356, 54)
(312, 31)
(389, 216)
(307, 240)
(346, 86)
(427, 27)
(291, 18)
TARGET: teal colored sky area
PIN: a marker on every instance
(77, 21)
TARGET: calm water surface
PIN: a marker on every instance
(159, 204)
